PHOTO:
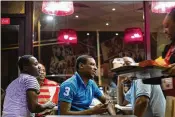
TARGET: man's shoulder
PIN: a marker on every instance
(72, 81)
(92, 82)
(50, 82)
(25, 77)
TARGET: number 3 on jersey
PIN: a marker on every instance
(67, 90)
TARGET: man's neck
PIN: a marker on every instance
(84, 78)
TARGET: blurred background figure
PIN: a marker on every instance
(57, 62)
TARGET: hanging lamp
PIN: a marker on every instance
(67, 36)
(162, 7)
(133, 35)
(57, 8)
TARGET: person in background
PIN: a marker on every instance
(112, 87)
(21, 99)
(45, 93)
(168, 84)
(77, 92)
(169, 52)
(146, 100)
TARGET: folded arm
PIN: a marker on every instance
(65, 109)
(120, 96)
(33, 105)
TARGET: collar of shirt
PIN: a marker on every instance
(79, 79)
(24, 74)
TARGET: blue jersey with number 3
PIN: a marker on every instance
(80, 96)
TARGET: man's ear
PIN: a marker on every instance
(81, 65)
(25, 68)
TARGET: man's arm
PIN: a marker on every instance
(141, 105)
(32, 102)
(111, 107)
(120, 96)
(65, 109)
(143, 92)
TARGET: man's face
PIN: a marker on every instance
(89, 68)
(128, 61)
(42, 72)
(169, 27)
(33, 68)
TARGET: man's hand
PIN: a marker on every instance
(170, 70)
(100, 108)
(49, 105)
(121, 79)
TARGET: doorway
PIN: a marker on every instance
(12, 46)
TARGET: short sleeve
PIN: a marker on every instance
(128, 95)
(67, 91)
(142, 89)
(32, 84)
(97, 92)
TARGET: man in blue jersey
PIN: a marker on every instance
(77, 92)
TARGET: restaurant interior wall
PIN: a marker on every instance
(90, 20)
(60, 59)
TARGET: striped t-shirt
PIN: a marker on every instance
(48, 92)
(15, 103)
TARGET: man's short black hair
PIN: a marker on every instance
(82, 59)
(172, 14)
(24, 61)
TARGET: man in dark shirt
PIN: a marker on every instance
(169, 51)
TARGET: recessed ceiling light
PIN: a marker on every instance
(113, 9)
(76, 16)
(49, 18)
(107, 24)
(87, 33)
(116, 33)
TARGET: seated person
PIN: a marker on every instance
(21, 99)
(146, 100)
(77, 92)
(48, 91)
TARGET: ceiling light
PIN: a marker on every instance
(107, 24)
(58, 8)
(76, 16)
(87, 33)
(113, 9)
(49, 18)
(116, 33)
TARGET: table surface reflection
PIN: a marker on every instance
(92, 116)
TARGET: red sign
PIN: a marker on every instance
(58, 8)
(5, 20)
